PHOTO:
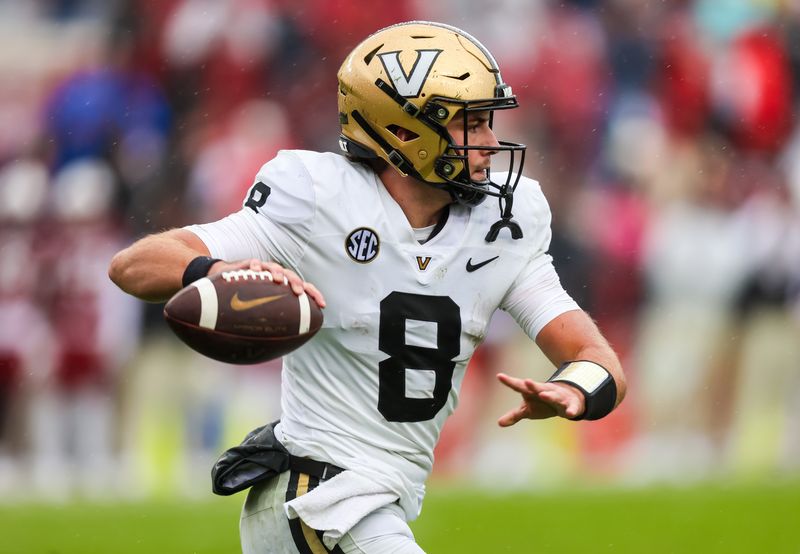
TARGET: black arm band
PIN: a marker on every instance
(596, 384)
(197, 269)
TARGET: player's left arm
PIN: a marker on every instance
(567, 340)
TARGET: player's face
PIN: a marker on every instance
(478, 134)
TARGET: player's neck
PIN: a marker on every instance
(422, 204)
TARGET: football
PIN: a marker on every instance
(242, 317)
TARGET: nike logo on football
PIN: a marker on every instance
(240, 305)
(471, 268)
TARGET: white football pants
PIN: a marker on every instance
(265, 529)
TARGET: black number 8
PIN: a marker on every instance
(396, 309)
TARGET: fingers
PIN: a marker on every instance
(255, 264)
(511, 417)
(572, 411)
(282, 275)
(541, 400)
(279, 275)
(314, 293)
(570, 399)
(526, 387)
(297, 284)
(519, 385)
(566, 401)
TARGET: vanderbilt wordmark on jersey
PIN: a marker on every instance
(422, 262)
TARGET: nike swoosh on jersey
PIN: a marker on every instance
(239, 305)
(471, 268)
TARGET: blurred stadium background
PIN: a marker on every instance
(664, 135)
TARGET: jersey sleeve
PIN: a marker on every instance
(536, 296)
(276, 219)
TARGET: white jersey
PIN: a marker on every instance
(371, 391)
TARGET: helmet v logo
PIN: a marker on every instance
(409, 84)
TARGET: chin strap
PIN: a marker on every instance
(506, 203)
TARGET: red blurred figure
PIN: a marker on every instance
(753, 87)
(95, 333)
(225, 164)
(25, 339)
(682, 82)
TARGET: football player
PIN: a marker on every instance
(403, 235)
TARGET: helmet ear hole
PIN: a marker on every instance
(402, 133)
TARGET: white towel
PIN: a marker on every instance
(336, 505)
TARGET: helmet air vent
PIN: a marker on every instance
(370, 55)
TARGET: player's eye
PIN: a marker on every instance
(475, 125)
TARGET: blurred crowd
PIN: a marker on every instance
(664, 135)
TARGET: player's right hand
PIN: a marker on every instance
(279, 273)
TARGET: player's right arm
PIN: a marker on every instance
(152, 268)
(274, 225)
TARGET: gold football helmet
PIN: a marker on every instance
(418, 76)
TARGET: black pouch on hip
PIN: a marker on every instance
(260, 456)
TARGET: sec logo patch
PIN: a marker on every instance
(362, 245)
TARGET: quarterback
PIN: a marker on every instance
(410, 243)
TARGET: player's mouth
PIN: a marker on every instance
(480, 175)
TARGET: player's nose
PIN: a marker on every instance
(489, 141)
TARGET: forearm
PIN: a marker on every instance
(574, 336)
(601, 353)
(152, 268)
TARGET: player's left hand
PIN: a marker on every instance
(541, 400)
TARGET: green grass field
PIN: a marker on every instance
(763, 519)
